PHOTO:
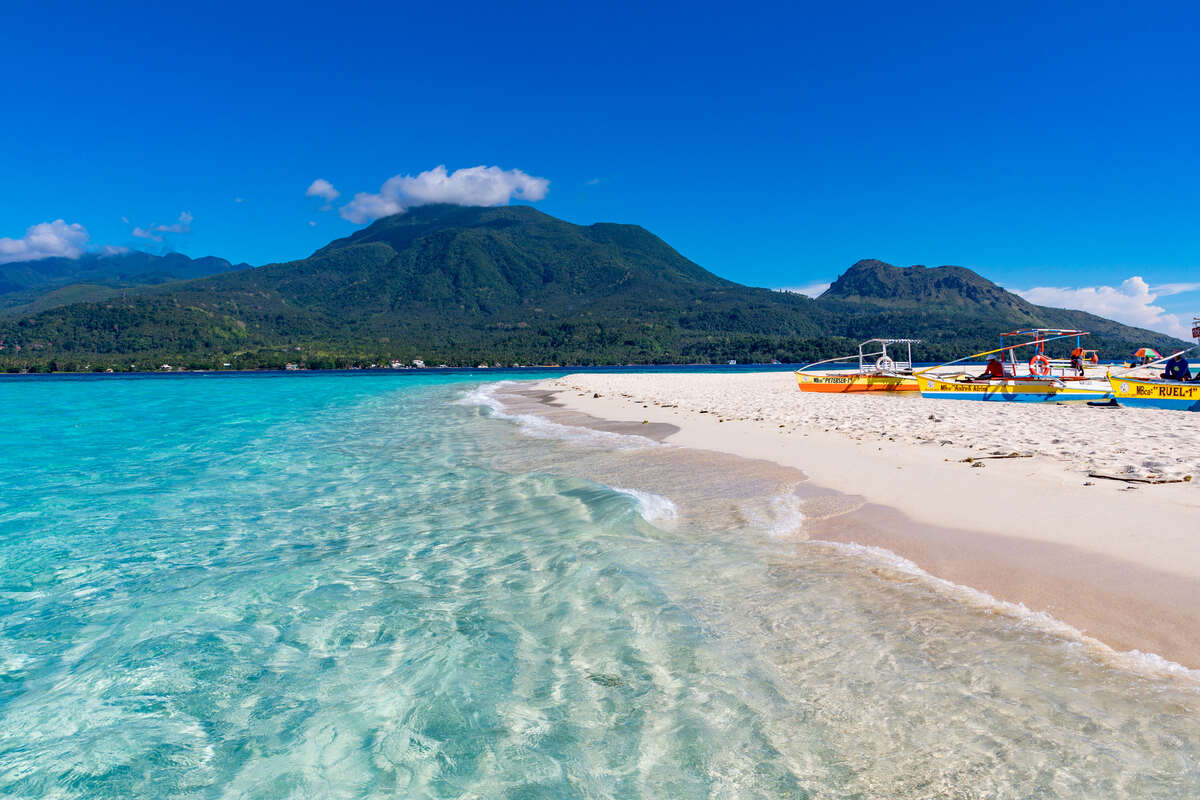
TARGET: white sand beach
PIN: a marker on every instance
(1120, 561)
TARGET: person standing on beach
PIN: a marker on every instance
(1177, 369)
(1077, 360)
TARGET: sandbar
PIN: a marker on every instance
(1118, 561)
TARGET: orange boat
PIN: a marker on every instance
(877, 371)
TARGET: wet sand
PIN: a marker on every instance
(1120, 565)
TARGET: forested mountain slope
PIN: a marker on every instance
(461, 285)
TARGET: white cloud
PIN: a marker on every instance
(239, 199)
(312, 224)
(366, 207)
(112, 250)
(812, 290)
(154, 232)
(1132, 303)
(184, 225)
(1168, 289)
(473, 186)
(323, 189)
(45, 240)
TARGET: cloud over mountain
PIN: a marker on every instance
(1133, 302)
(45, 240)
(155, 232)
(472, 186)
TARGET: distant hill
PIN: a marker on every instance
(463, 285)
(955, 305)
(32, 286)
(877, 283)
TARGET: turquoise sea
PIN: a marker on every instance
(362, 586)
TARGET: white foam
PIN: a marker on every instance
(485, 395)
(1147, 664)
(537, 427)
(654, 508)
(780, 518)
(14, 662)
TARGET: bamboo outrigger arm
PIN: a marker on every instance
(997, 350)
(826, 361)
(1162, 360)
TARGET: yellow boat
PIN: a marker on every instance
(1155, 393)
(1043, 380)
(1159, 392)
(877, 371)
(1010, 389)
(853, 382)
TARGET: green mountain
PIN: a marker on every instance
(873, 282)
(27, 287)
(463, 285)
(957, 311)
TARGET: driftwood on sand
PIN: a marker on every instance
(972, 459)
(1135, 479)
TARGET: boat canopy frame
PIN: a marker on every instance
(884, 364)
(1037, 338)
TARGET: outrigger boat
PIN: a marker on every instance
(1158, 392)
(1040, 380)
(877, 371)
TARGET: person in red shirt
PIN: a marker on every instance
(995, 369)
(1077, 360)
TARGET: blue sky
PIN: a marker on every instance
(1049, 146)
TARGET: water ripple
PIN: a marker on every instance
(352, 587)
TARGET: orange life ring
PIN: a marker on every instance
(1039, 365)
(1094, 358)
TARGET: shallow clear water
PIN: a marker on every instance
(360, 587)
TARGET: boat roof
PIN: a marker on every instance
(1045, 332)
(891, 341)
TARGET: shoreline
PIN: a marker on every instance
(1119, 565)
(377, 370)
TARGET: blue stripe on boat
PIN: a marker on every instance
(1024, 397)
(1155, 402)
